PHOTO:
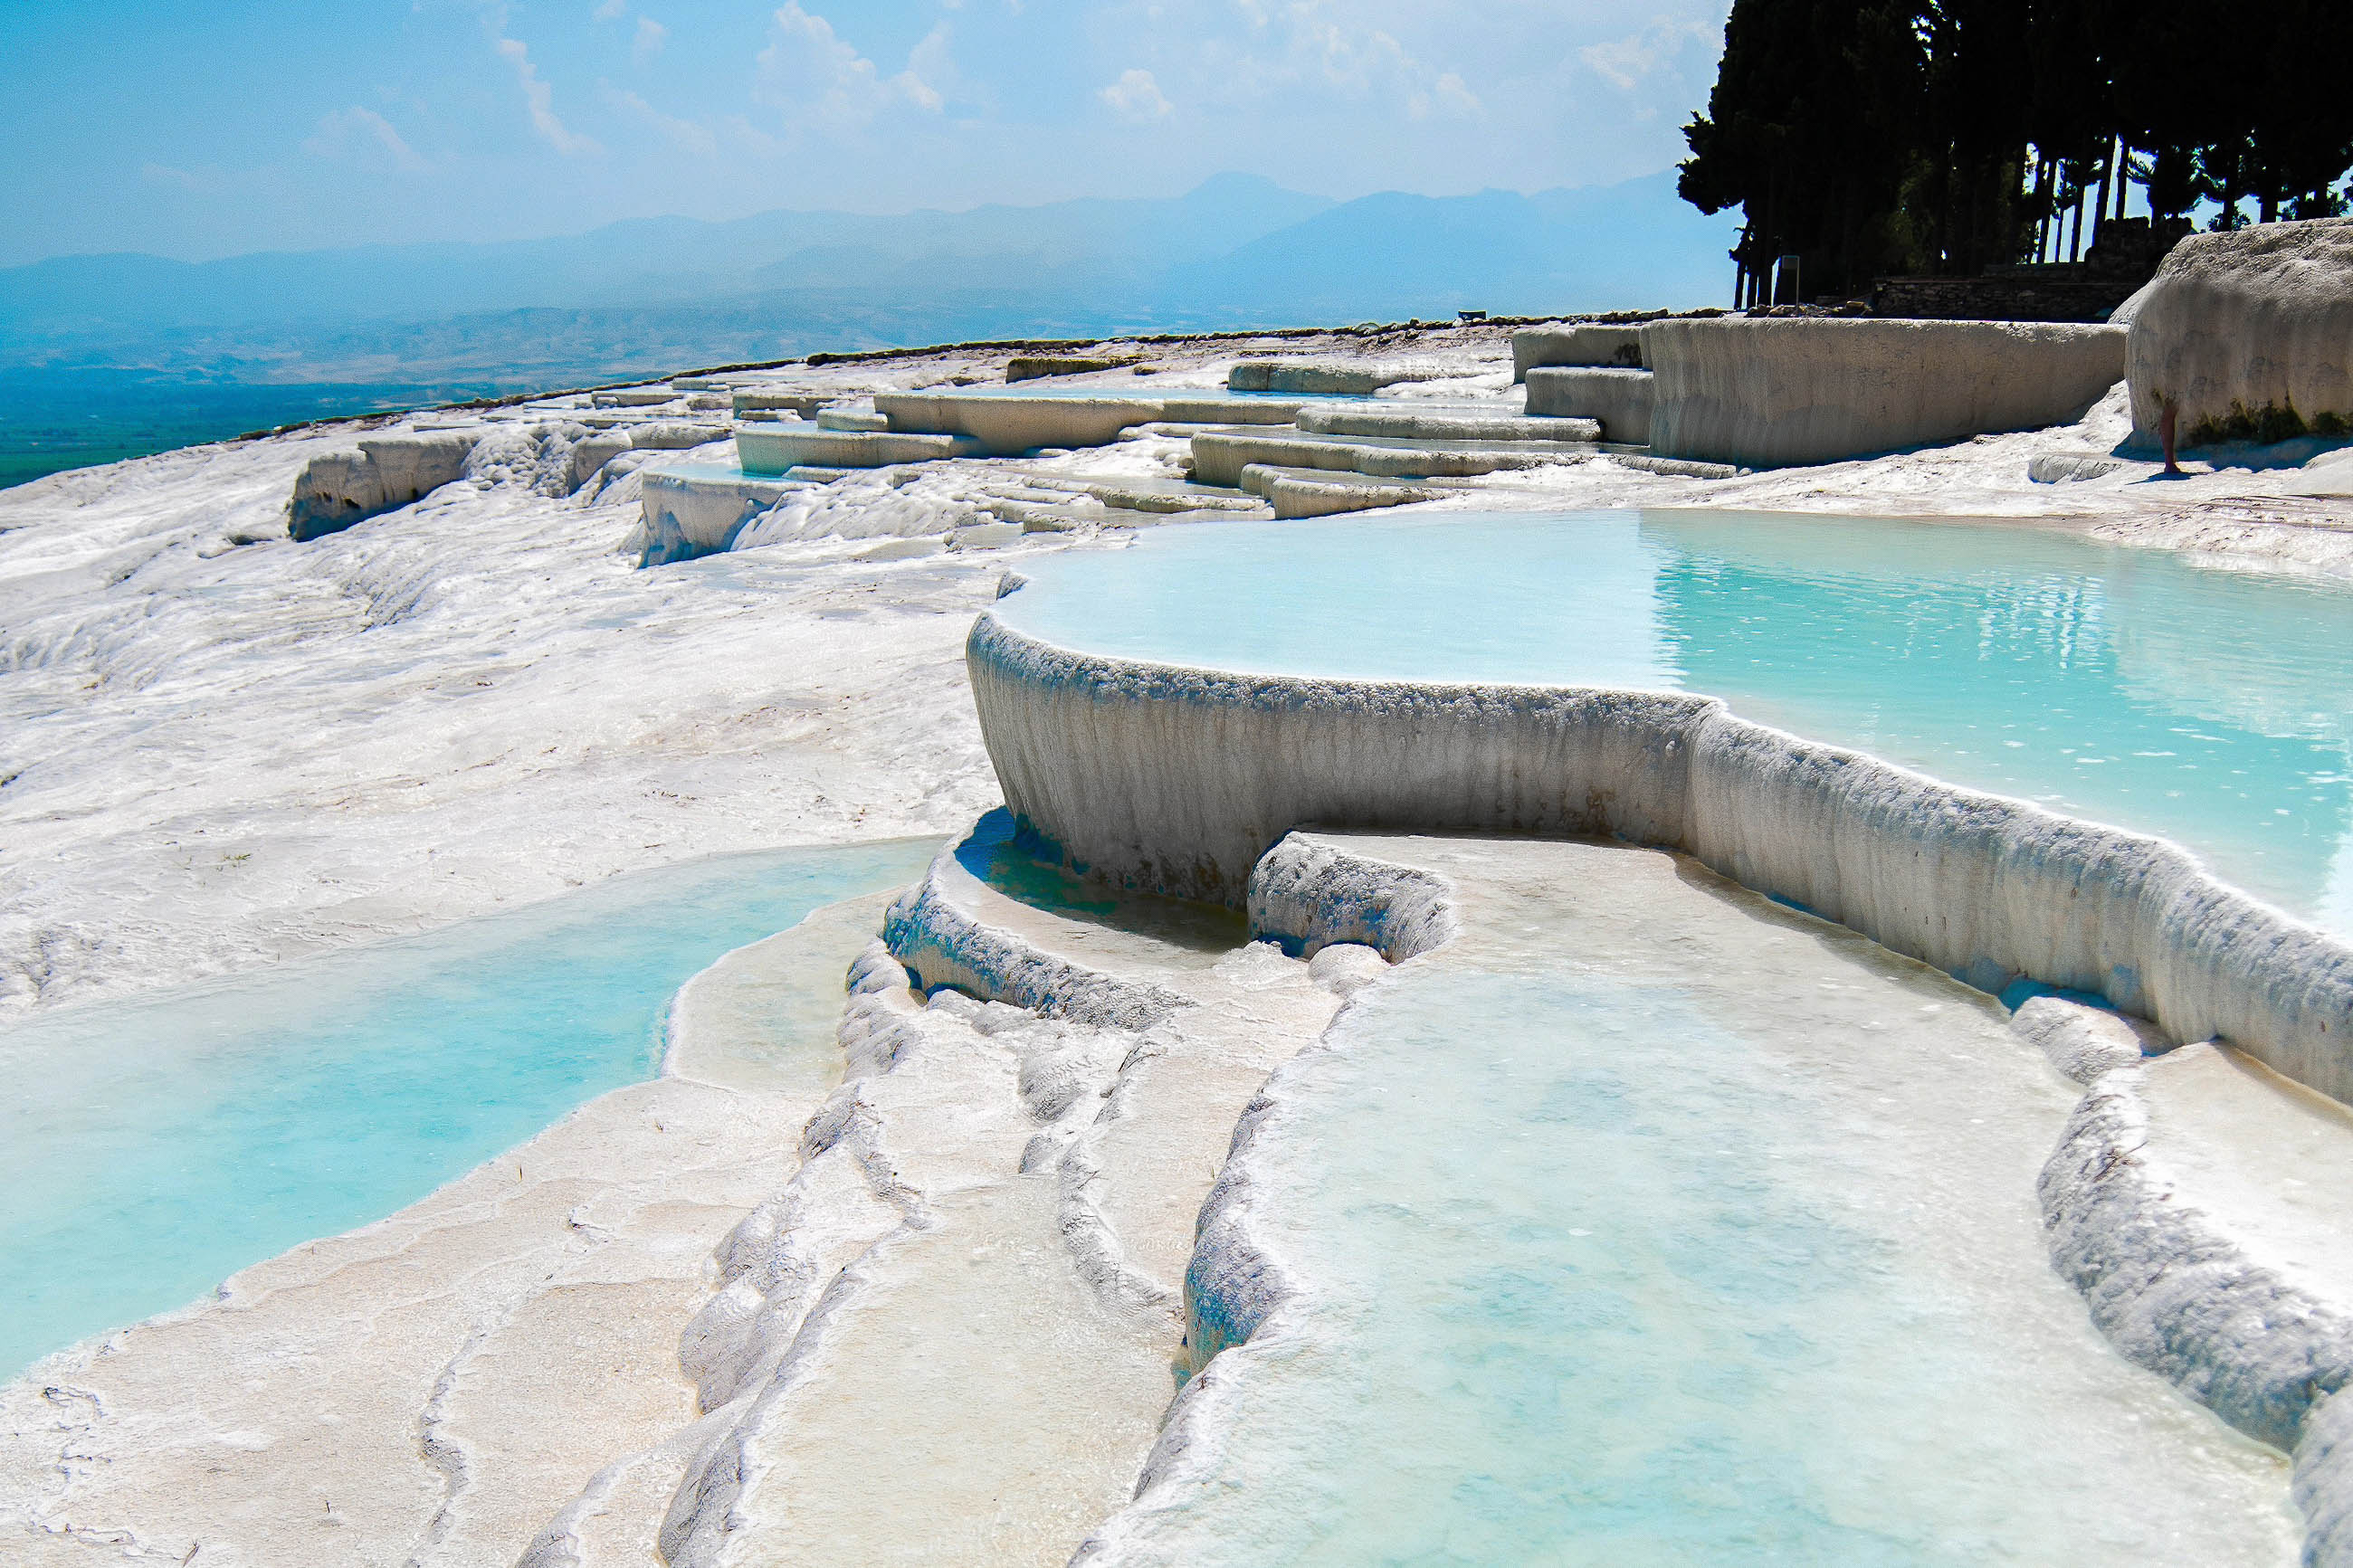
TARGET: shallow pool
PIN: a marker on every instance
(1649, 1224)
(151, 1148)
(2141, 687)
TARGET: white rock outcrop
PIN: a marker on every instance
(675, 436)
(781, 448)
(1618, 398)
(1220, 456)
(1355, 376)
(2248, 336)
(2180, 1295)
(379, 473)
(1560, 342)
(1441, 424)
(338, 489)
(698, 508)
(2084, 1042)
(972, 1277)
(1780, 392)
(1006, 426)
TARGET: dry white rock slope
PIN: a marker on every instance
(215, 757)
(430, 1388)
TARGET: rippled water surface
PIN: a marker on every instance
(150, 1149)
(2136, 687)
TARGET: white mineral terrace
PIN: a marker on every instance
(1531, 1188)
(1648, 1219)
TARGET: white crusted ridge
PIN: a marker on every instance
(933, 1154)
(1324, 899)
(1176, 779)
(2085, 1041)
(1309, 894)
(2177, 1295)
(932, 932)
(894, 1157)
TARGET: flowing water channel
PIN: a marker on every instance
(151, 1148)
(2141, 687)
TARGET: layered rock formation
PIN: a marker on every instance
(1778, 392)
(380, 472)
(2247, 336)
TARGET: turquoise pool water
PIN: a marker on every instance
(1604, 1261)
(2135, 686)
(152, 1148)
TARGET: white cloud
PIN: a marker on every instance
(651, 37)
(337, 130)
(1623, 62)
(686, 135)
(1306, 52)
(930, 71)
(612, 10)
(541, 100)
(748, 135)
(1136, 96)
(821, 81)
(1447, 96)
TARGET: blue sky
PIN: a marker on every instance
(198, 130)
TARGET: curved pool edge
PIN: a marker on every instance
(2173, 1293)
(1178, 780)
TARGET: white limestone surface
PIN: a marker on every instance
(674, 436)
(780, 447)
(339, 487)
(1336, 374)
(2084, 1042)
(1009, 425)
(1296, 495)
(698, 508)
(1618, 398)
(2267, 1160)
(2239, 324)
(1220, 456)
(1776, 391)
(220, 748)
(1439, 422)
(950, 1338)
(1574, 343)
(2178, 1203)
(222, 755)
(1425, 1258)
(432, 1388)
(1178, 780)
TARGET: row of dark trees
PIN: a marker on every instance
(1945, 136)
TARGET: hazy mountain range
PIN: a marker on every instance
(666, 293)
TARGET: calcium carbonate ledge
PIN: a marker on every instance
(2177, 1295)
(1178, 780)
(932, 931)
(1003, 424)
(2173, 1293)
(1307, 894)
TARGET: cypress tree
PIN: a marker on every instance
(1952, 135)
(1808, 132)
